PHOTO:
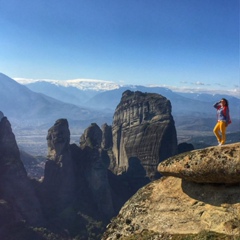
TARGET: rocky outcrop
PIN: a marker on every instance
(18, 201)
(1, 115)
(108, 191)
(96, 169)
(170, 206)
(107, 141)
(144, 133)
(173, 207)
(58, 183)
(92, 137)
(76, 176)
(209, 165)
(85, 186)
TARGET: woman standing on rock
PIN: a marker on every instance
(223, 118)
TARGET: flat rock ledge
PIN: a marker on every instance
(219, 164)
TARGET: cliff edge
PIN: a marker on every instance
(143, 133)
(177, 207)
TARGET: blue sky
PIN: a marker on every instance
(179, 43)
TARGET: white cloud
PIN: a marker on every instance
(198, 83)
(202, 89)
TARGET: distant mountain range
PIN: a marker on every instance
(24, 107)
(87, 101)
(82, 84)
(105, 95)
(35, 105)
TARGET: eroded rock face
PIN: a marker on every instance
(59, 182)
(92, 137)
(143, 131)
(96, 162)
(107, 141)
(96, 175)
(76, 176)
(219, 164)
(17, 195)
(58, 138)
(172, 206)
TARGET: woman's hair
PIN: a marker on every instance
(226, 101)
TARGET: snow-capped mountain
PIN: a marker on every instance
(82, 84)
(105, 95)
(25, 107)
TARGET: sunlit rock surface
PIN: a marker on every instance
(219, 164)
(172, 206)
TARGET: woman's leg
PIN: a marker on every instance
(223, 131)
(216, 132)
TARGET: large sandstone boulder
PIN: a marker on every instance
(209, 165)
(144, 133)
(173, 207)
(17, 195)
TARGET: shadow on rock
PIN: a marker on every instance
(136, 174)
(214, 194)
